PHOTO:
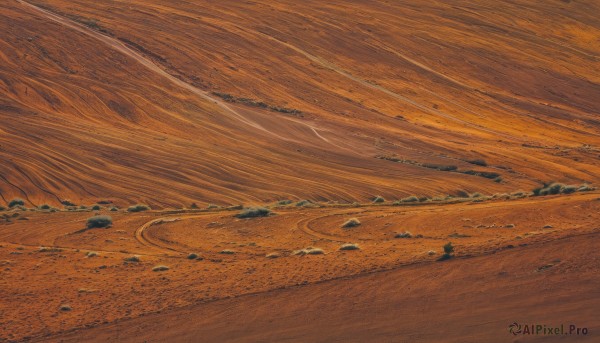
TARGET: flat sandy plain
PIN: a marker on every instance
(469, 105)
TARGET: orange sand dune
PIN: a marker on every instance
(467, 105)
(115, 100)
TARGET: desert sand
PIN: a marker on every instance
(452, 113)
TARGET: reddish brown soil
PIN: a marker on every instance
(127, 102)
(104, 288)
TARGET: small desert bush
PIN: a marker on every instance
(67, 203)
(585, 188)
(49, 249)
(303, 203)
(16, 202)
(138, 208)
(448, 251)
(2, 208)
(96, 208)
(160, 268)
(227, 252)
(411, 198)
(65, 308)
(309, 251)
(478, 162)
(350, 246)
(114, 209)
(99, 222)
(44, 207)
(194, 206)
(284, 202)
(403, 235)
(272, 255)
(91, 254)
(133, 258)
(352, 222)
(569, 189)
(378, 199)
(192, 256)
(253, 212)
(212, 206)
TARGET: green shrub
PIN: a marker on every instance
(96, 208)
(352, 222)
(212, 206)
(252, 212)
(194, 206)
(99, 222)
(44, 207)
(16, 202)
(227, 252)
(411, 198)
(138, 208)
(448, 251)
(192, 256)
(284, 202)
(2, 208)
(67, 203)
(114, 209)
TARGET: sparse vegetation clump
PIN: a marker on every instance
(227, 252)
(96, 208)
(16, 202)
(212, 206)
(403, 235)
(253, 212)
(114, 209)
(138, 208)
(91, 254)
(100, 222)
(192, 256)
(2, 208)
(303, 203)
(350, 246)
(67, 203)
(411, 198)
(309, 251)
(478, 162)
(133, 258)
(448, 252)
(49, 249)
(378, 200)
(65, 308)
(559, 188)
(160, 268)
(352, 222)
(44, 207)
(272, 255)
(284, 202)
